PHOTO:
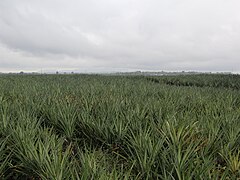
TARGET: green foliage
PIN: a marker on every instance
(119, 127)
(201, 80)
(4, 158)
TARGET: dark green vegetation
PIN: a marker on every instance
(203, 80)
(112, 127)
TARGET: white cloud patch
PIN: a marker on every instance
(106, 35)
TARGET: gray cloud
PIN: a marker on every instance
(112, 34)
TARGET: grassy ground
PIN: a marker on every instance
(102, 127)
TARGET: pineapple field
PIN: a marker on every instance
(60, 127)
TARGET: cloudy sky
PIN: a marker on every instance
(119, 35)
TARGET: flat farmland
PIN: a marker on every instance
(119, 127)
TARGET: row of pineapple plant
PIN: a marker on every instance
(113, 127)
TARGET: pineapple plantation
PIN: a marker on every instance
(55, 127)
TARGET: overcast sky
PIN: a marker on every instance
(119, 35)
